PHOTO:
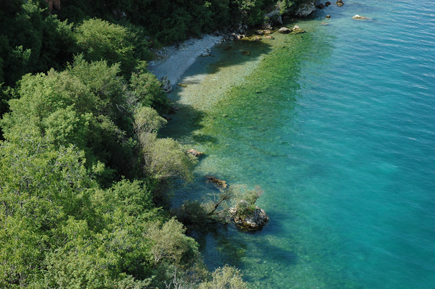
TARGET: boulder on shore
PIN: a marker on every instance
(248, 218)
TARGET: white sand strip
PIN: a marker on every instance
(175, 61)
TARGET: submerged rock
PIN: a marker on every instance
(339, 3)
(194, 152)
(359, 17)
(327, 3)
(328, 16)
(284, 30)
(219, 183)
(248, 217)
(320, 6)
(296, 29)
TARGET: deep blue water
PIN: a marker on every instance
(342, 140)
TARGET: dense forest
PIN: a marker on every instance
(82, 170)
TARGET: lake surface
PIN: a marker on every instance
(337, 126)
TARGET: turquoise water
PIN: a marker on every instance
(341, 137)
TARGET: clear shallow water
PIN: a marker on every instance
(342, 140)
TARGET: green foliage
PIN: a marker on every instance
(58, 228)
(163, 158)
(148, 91)
(101, 40)
(226, 277)
(39, 187)
(84, 105)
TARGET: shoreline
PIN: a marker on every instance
(175, 61)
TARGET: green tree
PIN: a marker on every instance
(101, 40)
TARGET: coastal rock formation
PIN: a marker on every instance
(284, 30)
(166, 84)
(219, 183)
(306, 8)
(269, 37)
(327, 3)
(259, 32)
(339, 3)
(328, 16)
(359, 17)
(320, 6)
(248, 217)
(194, 152)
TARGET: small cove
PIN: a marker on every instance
(337, 126)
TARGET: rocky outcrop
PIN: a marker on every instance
(305, 8)
(327, 3)
(339, 3)
(248, 217)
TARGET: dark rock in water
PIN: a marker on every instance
(320, 6)
(327, 3)
(284, 30)
(248, 217)
(245, 52)
(339, 3)
(328, 16)
(219, 183)
(194, 152)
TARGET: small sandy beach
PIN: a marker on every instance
(174, 61)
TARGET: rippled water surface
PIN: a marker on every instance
(338, 127)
